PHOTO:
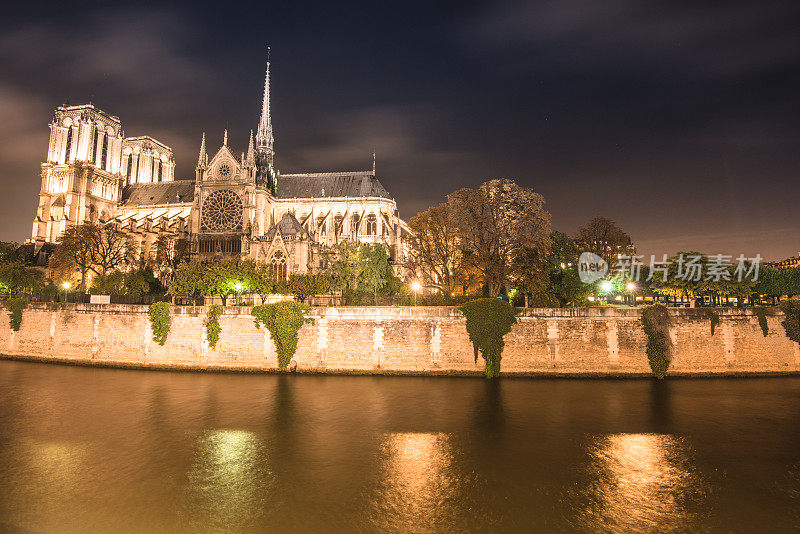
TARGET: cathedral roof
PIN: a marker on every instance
(158, 193)
(330, 184)
(289, 226)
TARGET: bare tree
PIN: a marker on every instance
(112, 248)
(75, 251)
(603, 237)
(496, 224)
(434, 251)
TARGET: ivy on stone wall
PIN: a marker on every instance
(655, 322)
(761, 313)
(283, 320)
(791, 323)
(713, 317)
(488, 320)
(213, 328)
(15, 307)
(160, 321)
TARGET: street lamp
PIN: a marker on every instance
(65, 286)
(415, 287)
(238, 287)
(631, 287)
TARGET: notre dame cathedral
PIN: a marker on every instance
(234, 207)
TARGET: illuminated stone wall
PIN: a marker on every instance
(431, 340)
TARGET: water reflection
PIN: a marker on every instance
(229, 484)
(641, 483)
(416, 482)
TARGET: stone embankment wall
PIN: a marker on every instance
(581, 341)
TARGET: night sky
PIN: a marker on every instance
(677, 119)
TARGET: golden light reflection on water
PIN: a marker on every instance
(641, 483)
(229, 482)
(416, 481)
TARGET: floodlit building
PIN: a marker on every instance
(235, 206)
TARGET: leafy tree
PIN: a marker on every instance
(15, 277)
(375, 270)
(9, 252)
(139, 283)
(496, 224)
(303, 286)
(344, 266)
(112, 283)
(563, 283)
(188, 279)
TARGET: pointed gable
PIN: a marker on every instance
(223, 166)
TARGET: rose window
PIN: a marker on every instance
(222, 212)
(224, 170)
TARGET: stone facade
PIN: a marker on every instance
(593, 341)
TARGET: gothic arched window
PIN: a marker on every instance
(68, 147)
(372, 224)
(278, 265)
(103, 152)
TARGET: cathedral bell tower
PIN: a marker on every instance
(81, 178)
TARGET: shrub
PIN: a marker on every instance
(15, 307)
(791, 324)
(713, 316)
(655, 322)
(283, 320)
(761, 313)
(213, 327)
(488, 320)
(160, 321)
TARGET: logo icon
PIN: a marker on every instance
(591, 267)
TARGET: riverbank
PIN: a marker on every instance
(416, 341)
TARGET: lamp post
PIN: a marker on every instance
(415, 287)
(238, 287)
(65, 286)
(631, 287)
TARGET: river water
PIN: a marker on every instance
(103, 450)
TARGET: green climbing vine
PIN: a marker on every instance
(213, 328)
(655, 322)
(283, 320)
(488, 320)
(160, 321)
(791, 323)
(761, 313)
(15, 307)
(713, 317)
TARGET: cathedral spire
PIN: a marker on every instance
(225, 138)
(264, 137)
(202, 158)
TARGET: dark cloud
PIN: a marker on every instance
(675, 118)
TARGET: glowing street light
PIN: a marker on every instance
(238, 287)
(415, 287)
(606, 286)
(630, 286)
(65, 287)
